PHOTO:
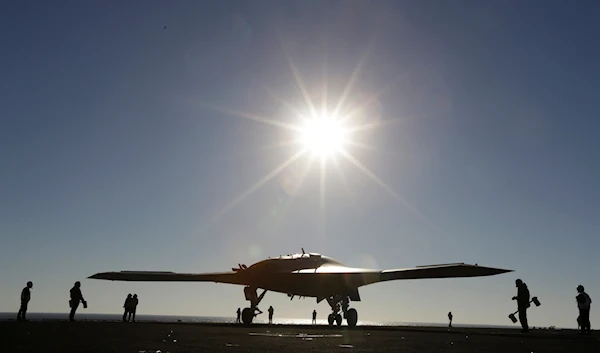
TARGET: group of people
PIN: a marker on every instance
(76, 298)
(271, 311)
(130, 306)
(583, 300)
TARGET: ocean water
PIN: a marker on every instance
(222, 320)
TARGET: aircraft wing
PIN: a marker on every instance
(151, 276)
(356, 277)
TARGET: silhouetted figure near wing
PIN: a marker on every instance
(271, 310)
(25, 298)
(314, 320)
(584, 303)
(522, 299)
(126, 306)
(450, 318)
(76, 298)
(239, 315)
(133, 307)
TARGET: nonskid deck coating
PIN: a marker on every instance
(60, 336)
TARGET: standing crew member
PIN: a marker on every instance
(76, 298)
(239, 315)
(133, 308)
(584, 303)
(450, 318)
(25, 298)
(271, 314)
(314, 321)
(522, 299)
(126, 307)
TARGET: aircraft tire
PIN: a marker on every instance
(338, 319)
(352, 317)
(331, 319)
(247, 316)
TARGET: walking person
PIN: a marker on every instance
(76, 298)
(522, 299)
(239, 315)
(584, 303)
(314, 320)
(450, 318)
(25, 298)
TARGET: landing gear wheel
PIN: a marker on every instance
(247, 316)
(352, 317)
(331, 319)
(338, 319)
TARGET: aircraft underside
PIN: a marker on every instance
(339, 304)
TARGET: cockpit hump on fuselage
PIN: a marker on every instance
(294, 262)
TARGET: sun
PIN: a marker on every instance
(327, 137)
(323, 136)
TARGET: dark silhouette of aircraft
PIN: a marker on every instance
(306, 275)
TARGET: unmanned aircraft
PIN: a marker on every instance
(306, 275)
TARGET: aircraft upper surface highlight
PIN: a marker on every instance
(306, 275)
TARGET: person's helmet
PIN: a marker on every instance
(580, 288)
(77, 284)
(135, 295)
(519, 282)
(29, 284)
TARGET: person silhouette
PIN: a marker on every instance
(314, 320)
(584, 303)
(450, 318)
(271, 314)
(25, 298)
(239, 315)
(76, 298)
(522, 299)
(132, 309)
(126, 306)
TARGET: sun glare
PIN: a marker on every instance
(323, 136)
(326, 136)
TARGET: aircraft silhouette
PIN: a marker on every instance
(306, 275)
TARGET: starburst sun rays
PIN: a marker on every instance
(324, 136)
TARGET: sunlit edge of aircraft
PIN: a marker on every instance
(306, 275)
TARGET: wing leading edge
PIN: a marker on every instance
(150, 276)
(356, 277)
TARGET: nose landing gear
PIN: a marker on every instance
(248, 314)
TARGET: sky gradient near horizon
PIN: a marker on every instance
(120, 149)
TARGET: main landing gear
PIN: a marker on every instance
(341, 302)
(248, 314)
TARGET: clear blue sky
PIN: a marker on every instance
(114, 157)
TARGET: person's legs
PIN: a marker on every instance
(74, 307)
(125, 316)
(523, 319)
(133, 316)
(585, 321)
(24, 311)
(21, 314)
